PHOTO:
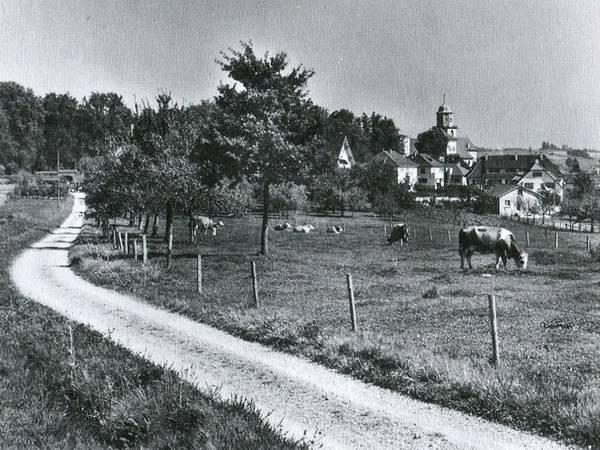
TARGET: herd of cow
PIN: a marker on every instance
(471, 239)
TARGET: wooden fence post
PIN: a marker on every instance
(199, 274)
(587, 244)
(556, 239)
(126, 243)
(135, 249)
(384, 230)
(254, 283)
(170, 251)
(114, 238)
(414, 233)
(144, 249)
(449, 240)
(527, 239)
(120, 241)
(430, 235)
(494, 329)
(351, 301)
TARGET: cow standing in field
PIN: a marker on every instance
(487, 240)
(399, 233)
(205, 224)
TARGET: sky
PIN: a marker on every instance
(515, 73)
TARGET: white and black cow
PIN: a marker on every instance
(487, 240)
(205, 224)
(399, 233)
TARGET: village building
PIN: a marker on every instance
(455, 174)
(345, 159)
(431, 171)
(407, 145)
(406, 170)
(514, 200)
(532, 171)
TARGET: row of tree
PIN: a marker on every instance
(261, 143)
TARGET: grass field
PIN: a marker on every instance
(423, 323)
(91, 393)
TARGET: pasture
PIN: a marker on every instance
(423, 326)
(75, 389)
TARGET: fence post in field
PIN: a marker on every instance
(199, 275)
(135, 249)
(384, 230)
(545, 232)
(587, 244)
(430, 235)
(449, 240)
(414, 233)
(120, 241)
(527, 239)
(254, 283)
(126, 243)
(351, 301)
(144, 249)
(170, 251)
(114, 238)
(556, 239)
(494, 330)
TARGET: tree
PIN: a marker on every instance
(381, 132)
(590, 208)
(288, 197)
(432, 142)
(548, 203)
(394, 200)
(339, 190)
(264, 122)
(60, 133)
(582, 185)
(21, 116)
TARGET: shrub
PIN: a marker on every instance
(431, 292)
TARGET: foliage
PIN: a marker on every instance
(236, 198)
(432, 142)
(394, 201)
(339, 190)
(287, 197)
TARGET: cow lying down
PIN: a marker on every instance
(487, 240)
(304, 228)
(283, 227)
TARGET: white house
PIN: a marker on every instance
(514, 200)
(540, 178)
(345, 158)
(405, 169)
(431, 172)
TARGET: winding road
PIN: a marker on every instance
(298, 397)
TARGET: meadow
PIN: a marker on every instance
(423, 326)
(64, 386)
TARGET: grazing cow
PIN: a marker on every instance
(399, 233)
(490, 240)
(205, 224)
(283, 227)
(335, 229)
(303, 229)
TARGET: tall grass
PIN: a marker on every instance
(423, 321)
(85, 392)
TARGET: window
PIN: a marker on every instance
(423, 170)
(536, 174)
(529, 185)
(507, 203)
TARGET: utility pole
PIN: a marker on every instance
(58, 177)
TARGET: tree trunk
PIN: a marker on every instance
(264, 232)
(131, 219)
(155, 226)
(168, 222)
(191, 225)
(147, 223)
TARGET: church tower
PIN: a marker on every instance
(445, 119)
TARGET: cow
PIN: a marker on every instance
(205, 224)
(487, 240)
(335, 229)
(303, 229)
(283, 227)
(399, 233)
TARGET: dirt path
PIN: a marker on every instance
(300, 397)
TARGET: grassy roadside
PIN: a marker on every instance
(423, 323)
(95, 394)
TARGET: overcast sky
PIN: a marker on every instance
(514, 72)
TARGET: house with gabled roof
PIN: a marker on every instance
(404, 168)
(431, 171)
(345, 159)
(514, 200)
(532, 171)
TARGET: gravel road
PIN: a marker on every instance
(299, 397)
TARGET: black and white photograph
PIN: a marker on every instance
(300, 224)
